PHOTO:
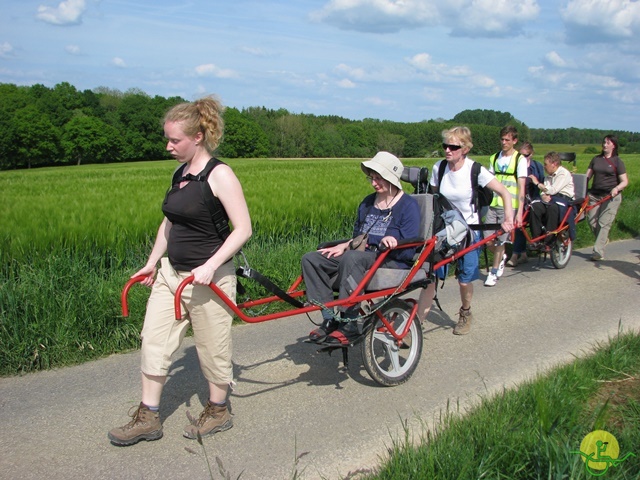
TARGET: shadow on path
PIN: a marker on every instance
(185, 377)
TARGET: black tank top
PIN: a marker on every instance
(193, 237)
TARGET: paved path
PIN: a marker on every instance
(292, 401)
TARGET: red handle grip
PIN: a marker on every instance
(178, 296)
(125, 292)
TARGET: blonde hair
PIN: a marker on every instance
(203, 115)
(527, 146)
(462, 134)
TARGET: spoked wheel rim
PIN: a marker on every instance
(562, 249)
(386, 361)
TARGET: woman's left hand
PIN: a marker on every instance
(518, 222)
(203, 275)
(389, 242)
(507, 225)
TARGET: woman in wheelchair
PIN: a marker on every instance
(385, 217)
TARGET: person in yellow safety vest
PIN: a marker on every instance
(510, 168)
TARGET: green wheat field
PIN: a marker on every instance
(70, 237)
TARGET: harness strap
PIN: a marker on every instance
(485, 226)
(218, 214)
(248, 272)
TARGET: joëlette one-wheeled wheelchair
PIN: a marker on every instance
(392, 339)
(561, 246)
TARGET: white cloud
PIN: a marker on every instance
(494, 92)
(441, 72)
(423, 62)
(460, 71)
(378, 16)
(118, 62)
(346, 83)
(555, 59)
(483, 81)
(356, 73)
(211, 70)
(593, 21)
(379, 102)
(628, 96)
(546, 76)
(68, 12)
(72, 49)
(465, 18)
(536, 71)
(256, 51)
(6, 50)
(602, 81)
(493, 18)
(432, 94)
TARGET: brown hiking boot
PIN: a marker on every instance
(464, 322)
(144, 425)
(213, 419)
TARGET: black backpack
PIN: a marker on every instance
(221, 222)
(217, 211)
(481, 196)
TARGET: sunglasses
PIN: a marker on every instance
(452, 148)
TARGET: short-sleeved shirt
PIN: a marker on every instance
(456, 186)
(502, 165)
(605, 174)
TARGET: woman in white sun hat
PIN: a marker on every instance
(384, 218)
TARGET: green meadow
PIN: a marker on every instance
(70, 237)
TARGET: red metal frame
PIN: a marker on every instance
(358, 295)
(564, 223)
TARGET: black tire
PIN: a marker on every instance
(386, 362)
(561, 250)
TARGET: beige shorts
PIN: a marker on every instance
(209, 317)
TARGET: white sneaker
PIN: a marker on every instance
(501, 266)
(491, 280)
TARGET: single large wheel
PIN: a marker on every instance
(561, 250)
(388, 363)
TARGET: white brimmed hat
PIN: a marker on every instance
(387, 166)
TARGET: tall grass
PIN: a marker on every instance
(71, 236)
(533, 432)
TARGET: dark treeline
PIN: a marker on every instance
(64, 126)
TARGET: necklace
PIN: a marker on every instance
(389, 201)
(384, 204)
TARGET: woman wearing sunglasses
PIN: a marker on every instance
(456, 187)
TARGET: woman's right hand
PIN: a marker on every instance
(148, 271)
(334, 251)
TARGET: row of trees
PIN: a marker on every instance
(65, 126)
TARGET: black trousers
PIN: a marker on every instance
(543, 214)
